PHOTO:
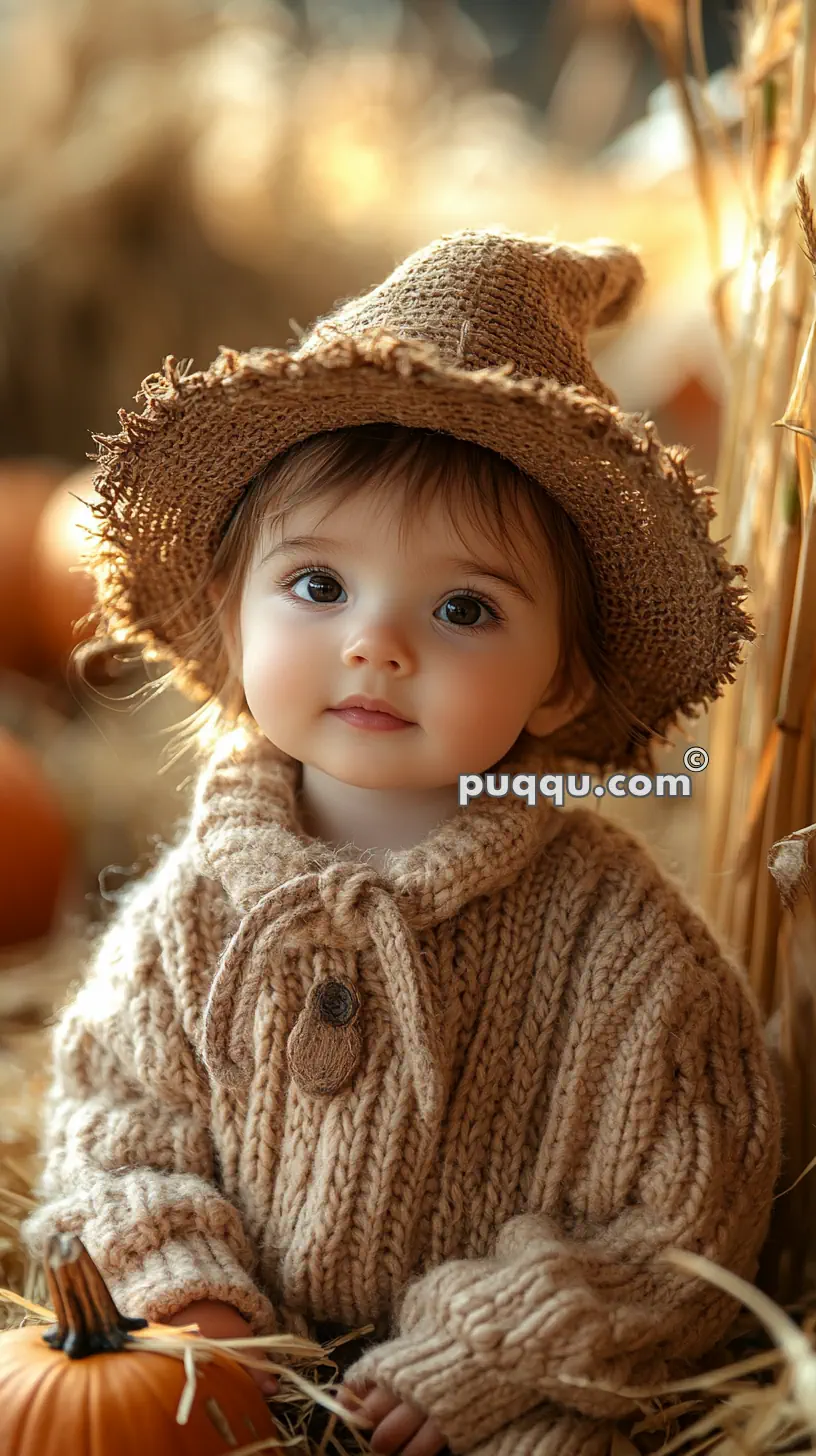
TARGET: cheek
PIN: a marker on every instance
(276, 662)
(490, 684)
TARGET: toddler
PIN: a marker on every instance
(353, 1052)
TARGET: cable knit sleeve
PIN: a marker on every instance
(128, 1162)
(677, 1117)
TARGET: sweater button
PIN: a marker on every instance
(335, 1003)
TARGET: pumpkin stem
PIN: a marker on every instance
(87, 1318)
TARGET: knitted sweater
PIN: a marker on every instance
(468, 1098)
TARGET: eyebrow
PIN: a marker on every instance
(460, 563)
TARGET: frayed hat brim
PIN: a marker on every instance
(670, 602)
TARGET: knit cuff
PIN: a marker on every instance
(184, 1270)
(466, 1401)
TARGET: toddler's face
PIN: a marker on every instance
(465, 657)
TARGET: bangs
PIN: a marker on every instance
(481, 493)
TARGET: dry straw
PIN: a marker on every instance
(761, 805)
(761, 780)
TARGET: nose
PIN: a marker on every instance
(381, 645)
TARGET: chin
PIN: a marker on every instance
(362, 770)
(370, 776)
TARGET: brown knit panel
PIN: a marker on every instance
(286, 1119)
(550, 1431)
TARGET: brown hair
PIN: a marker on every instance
(339, 463)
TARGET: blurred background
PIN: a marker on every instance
(175, 175)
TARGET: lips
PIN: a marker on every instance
(373, 719)
(372, 705)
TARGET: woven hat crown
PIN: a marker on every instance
(487, 299)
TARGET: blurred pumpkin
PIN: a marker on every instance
(63, 590)
(84, 1385)
(25, 488)
(35, 846)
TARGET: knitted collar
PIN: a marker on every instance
(295, 890)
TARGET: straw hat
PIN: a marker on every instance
(481, 334)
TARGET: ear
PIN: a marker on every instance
(546, 718)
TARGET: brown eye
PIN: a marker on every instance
(320, 586)
(464, 611)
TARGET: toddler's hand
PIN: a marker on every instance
(397, 1425)
(219, 1321)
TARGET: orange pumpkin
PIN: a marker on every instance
(35, 846)
(83, 1385)
(63, 591)
(25, 487)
